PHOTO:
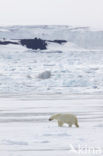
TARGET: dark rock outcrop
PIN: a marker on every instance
(38, 43)
(58, 41)
(7, 42)
(34, 43)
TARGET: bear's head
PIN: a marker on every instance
(50, 119)
(55, 116)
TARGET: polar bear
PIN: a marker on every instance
(70, 119)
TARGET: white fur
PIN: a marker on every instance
(70, 119)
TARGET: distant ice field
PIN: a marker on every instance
(72, 71)
(76, 67)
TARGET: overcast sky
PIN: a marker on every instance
(55, 12)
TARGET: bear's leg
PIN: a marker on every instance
(60, 123)
(76, 124)
(70, 125)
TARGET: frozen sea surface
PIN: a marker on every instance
(72, 71)
(25, 129)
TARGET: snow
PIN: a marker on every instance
(25, 129)
(75, 86)
(72, 71)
